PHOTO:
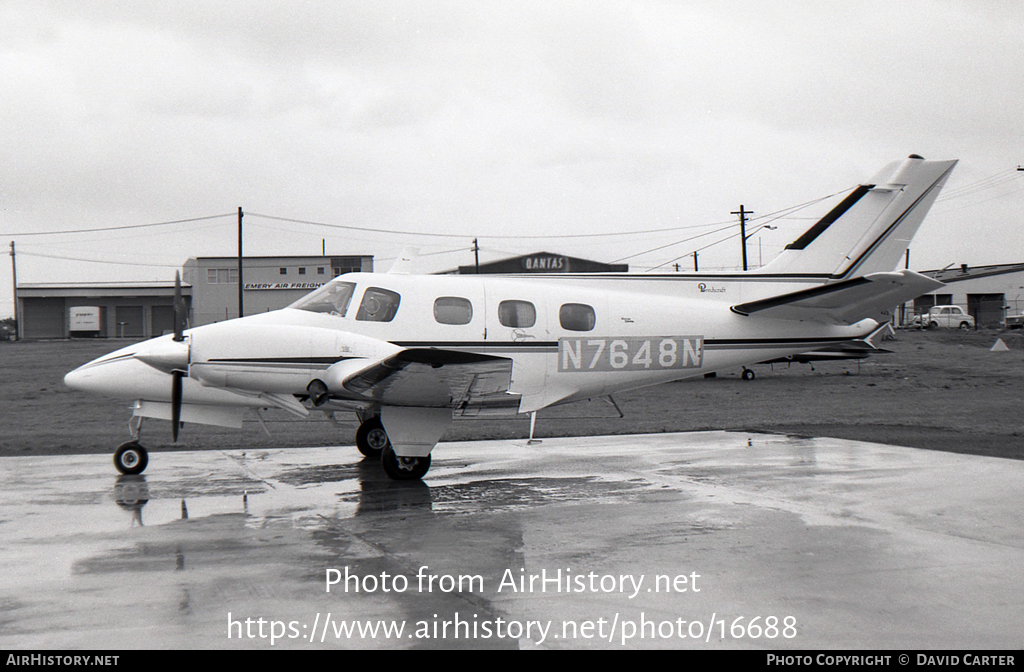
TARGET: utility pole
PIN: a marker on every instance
(241, 284)
(14, 288)
(743, 231)
(695, 261)
(476, 255)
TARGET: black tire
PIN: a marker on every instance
(964, 326)
(131, 458)
(748, 374)
(371, 438)
(403, 468)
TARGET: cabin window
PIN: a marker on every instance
(576, 317)
(332, 298)
(378, 305)
(453, 310)
(517, 314)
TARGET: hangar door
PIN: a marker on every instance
(923, 304)
(987, 309)
(163, 320)
(43, 318)
(129, 322)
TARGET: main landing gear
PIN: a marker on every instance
(372, 441)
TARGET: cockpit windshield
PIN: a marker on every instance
(332, 298)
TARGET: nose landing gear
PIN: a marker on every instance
(131, 458)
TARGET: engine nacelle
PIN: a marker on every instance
(275, 358)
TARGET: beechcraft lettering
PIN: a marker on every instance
(703, 287)
(407, 354)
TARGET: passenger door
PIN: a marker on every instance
(517, 327)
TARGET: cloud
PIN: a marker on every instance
(485, 116)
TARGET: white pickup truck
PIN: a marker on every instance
(948, 317)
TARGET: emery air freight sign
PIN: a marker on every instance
(282, 285)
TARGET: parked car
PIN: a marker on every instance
(948, 317)
(1014, 321)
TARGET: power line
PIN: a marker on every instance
(770, 217)
(117, 228)
(994, 180)
(472, 235)
(701, 249)
(678, 242)
(95, 261)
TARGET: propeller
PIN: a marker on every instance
(177, 374)
(171, 356)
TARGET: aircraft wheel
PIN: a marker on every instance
(371, 439)
(131, 458)
(403, 468)
(748, 374)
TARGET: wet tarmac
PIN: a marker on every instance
(697, 540)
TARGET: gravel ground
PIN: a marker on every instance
(937, 390)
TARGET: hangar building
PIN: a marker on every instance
(988, 293)
(97, 309)
(544, 262)
(270, 282)
(146, 309)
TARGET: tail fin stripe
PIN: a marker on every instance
(819, 228)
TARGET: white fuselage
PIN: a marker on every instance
(569, 337)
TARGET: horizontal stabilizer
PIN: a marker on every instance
(843, 302)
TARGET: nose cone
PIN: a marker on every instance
(100, 376)
(111, 374)
(75, 379)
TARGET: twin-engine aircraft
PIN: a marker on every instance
(409, 353)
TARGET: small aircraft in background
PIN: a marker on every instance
(408, 353)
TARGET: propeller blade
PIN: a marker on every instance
(176, 385)
(179, 309)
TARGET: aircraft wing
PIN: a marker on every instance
(846, 302)
(435, 378)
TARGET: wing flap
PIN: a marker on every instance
(846, 302)
(433, 377)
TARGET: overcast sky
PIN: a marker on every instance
(490, 119)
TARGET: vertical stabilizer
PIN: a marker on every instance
(870, 229)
